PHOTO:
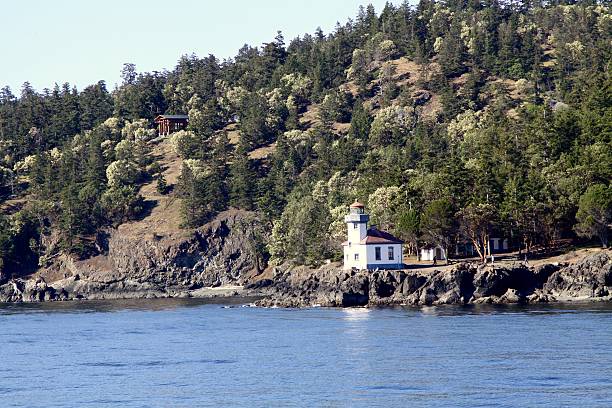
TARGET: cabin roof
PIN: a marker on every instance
(158, 117)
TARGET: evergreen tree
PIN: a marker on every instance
(360, 122)
(242, 179)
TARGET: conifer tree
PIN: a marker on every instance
(360, 122)
(242, 178)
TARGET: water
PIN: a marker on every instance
(186, 353)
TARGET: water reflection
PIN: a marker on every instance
(347, 314)
(355, 313)
(540, 309)
(117, 305)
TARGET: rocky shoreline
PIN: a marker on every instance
(590, 279)
(220, 260)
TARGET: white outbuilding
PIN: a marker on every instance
(431, 252)
(369, 248)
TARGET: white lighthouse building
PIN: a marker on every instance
(369, 248)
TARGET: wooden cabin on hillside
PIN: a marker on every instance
(167, 124)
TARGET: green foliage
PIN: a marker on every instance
(186, 144)
(242, 179)
(121, 203)
(162, 184)
(391, 125)
(476, 222)
(336, 107)
(505, 105)
(438, 223)
(382, 205)
(202, 191)
(6, 246)
(254, 128)
(19, 244)
(301, 233)
(408, 227)
(359, 70)
(595, 213)
(360, 122)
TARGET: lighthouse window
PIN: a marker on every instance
(354, 225)
(377, 253)
(356, 257)
(391, 253)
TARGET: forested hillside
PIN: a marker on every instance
(449, 120)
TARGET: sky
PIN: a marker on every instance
(84, 41)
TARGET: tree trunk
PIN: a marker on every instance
(480, 249)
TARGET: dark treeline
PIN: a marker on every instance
(451, 120)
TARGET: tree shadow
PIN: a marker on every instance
(146, 210)
(413, 266)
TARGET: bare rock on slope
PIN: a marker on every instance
(221, 252)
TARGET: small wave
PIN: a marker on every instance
(104, 364)
(391, 388)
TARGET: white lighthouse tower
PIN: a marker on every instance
(357, 225)
(369, 248)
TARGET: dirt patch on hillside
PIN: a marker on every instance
(408, 72)
(164, 215)
(262, 152)
(12, 206)
(311, 117)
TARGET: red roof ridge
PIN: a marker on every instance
(376, 236)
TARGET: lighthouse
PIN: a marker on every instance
(369, 248)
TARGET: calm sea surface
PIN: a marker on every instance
(185, 353)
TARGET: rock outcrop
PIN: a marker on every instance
(223, 252)
(590, 278)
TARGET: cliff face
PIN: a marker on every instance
(590, 278)
(222, 252)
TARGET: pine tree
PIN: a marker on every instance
(162, 185)
(95, 165)
(190, 189)
(242, 179)
(360, 122)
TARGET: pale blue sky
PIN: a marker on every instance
(81, 42)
